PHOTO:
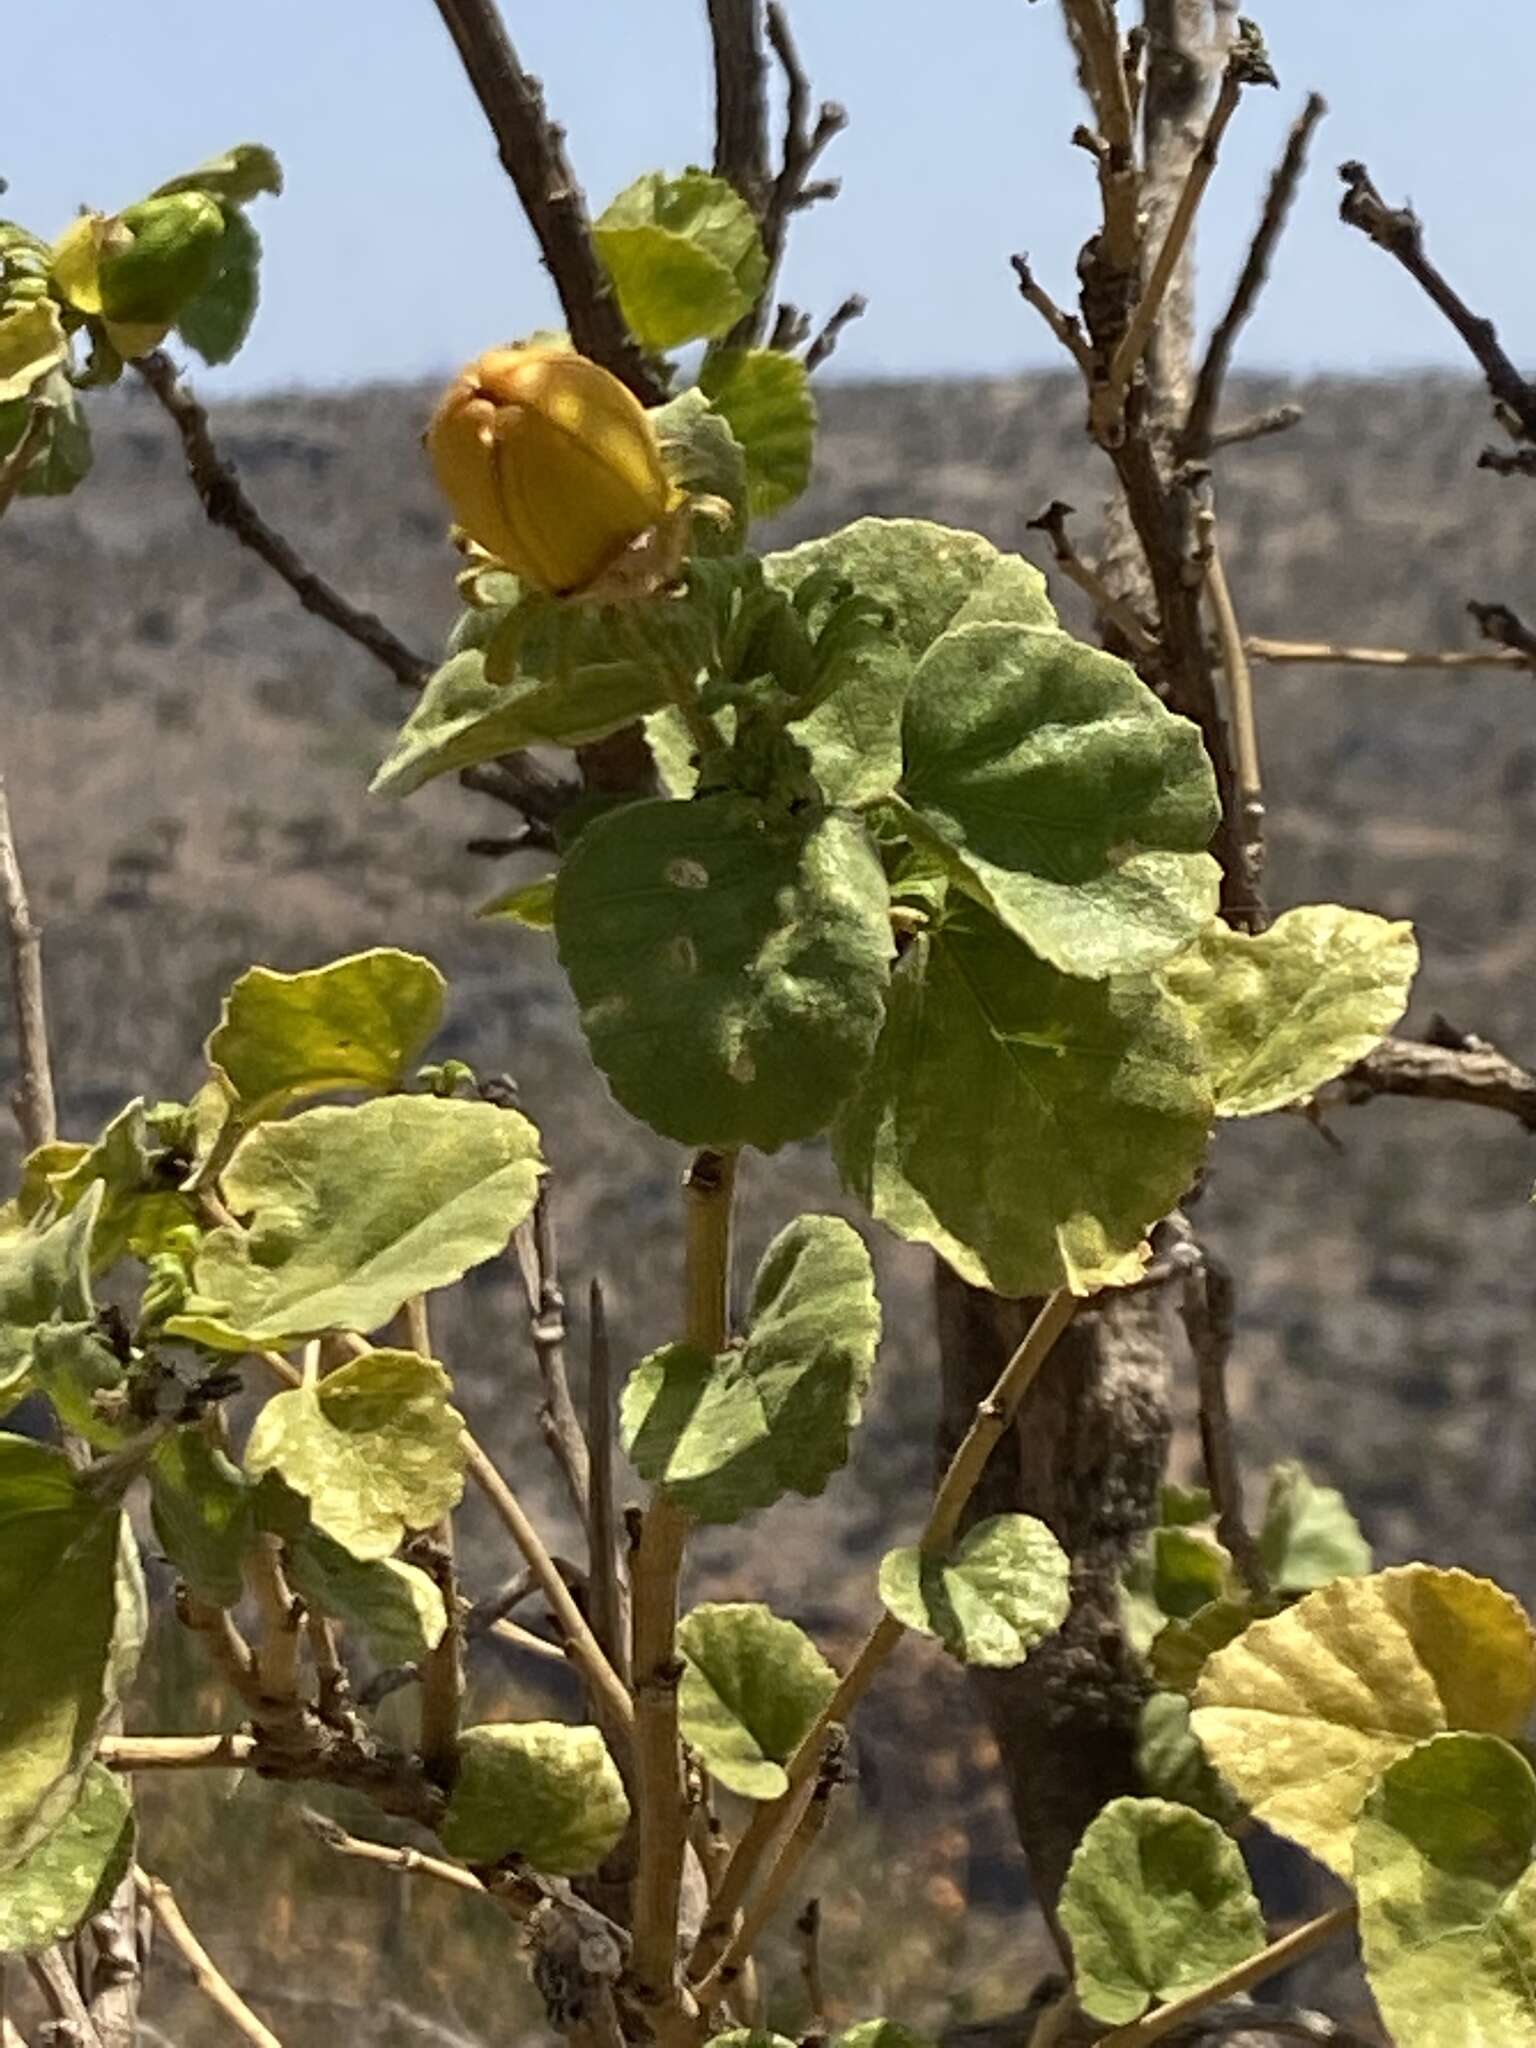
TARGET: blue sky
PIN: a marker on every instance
(398, 249)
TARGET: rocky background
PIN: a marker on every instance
(187, 753)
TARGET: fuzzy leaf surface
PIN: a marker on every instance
(752, 1686)
(349, 1212)
(1282, 1013)
(1445, 1870)
(1303, 1714)
(1157, 1903)
(536, 1789)
(1064, 794)
(998, 1593)
(1031, 1126)
(730, 963)
(729, 1434)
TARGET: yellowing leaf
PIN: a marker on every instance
(1303, 1713)
(31, 344)
(539, 1790)
(358, 1023)
(349, 1212)
(1282, 1013)
(374, 1447)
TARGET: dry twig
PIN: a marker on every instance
(1200, 435)
(1207, 1309)
(1052, 522)
(532, 151)
(610, 1590)
(206, 1974)
(32, 1099)
(539, 1265)
(224, 500)
(1330, 654)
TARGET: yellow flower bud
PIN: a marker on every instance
(550, 464)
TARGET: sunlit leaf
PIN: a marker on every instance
(1029, 1125)
(684, 254)
(1445, 1869)
(729, 1434)
(536, 1789)
(730, 963)
(752, 1686)
(1064, 794)
(358, 1023)
(32, 342)
(346, 1213)
(765, 399)
(1284, 1012)
(239, 175)
(203, 1514)
(45, 1275)
(1157, 1904)
(1302, 1714)
(375, 1447)
(72, 1872)
(1001, 1590)
(218, 320)
(72, 1619)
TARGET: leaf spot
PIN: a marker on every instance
(687, 874)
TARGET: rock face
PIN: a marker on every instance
(187, 751)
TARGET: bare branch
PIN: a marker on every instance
(610, 1591)
(206, 1974)
(532, 152)
(1207, 1309)
(1199, 435)
(398, 1857)
(176, 1752)
(1453, 1067)
(1245, 725)
(854, 307)
(741, 99)
(1052, 522)
(1399, 231)
(1247, 65)
(32, 1100)
(1333, 654)
(1107, 80)
(1257, 427)
(804, 142)
(1280, 1955)
(1066, 327)
(538, 1264)
(224, 500)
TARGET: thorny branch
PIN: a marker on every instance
(532, 151)
(224, 500)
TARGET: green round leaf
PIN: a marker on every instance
(217, 321)
(45, 1275)
(726, 1435)
(1303, 1713)
(358, 1023)
(393, 1606)
(765, 399)
(730, 962)
(72, 1619)
(539, 1790)
(1171, 1764)
(1181, 1649)
(684, 254)
(1064, 794)
(570, 682)
(64, 458)
(203, 1514)
(999, 1592)
(752, 1687)
(1283, 1013)
(1156, 1904)
(1445, 1870)
(928, 578)
(349, 1212)
(1030, 1126)
(1309, 1535)
(72, 1872)
(375, 1447)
